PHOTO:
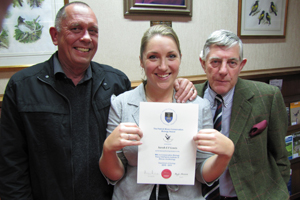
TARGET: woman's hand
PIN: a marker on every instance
(126, 134)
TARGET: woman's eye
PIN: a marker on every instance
(152, 57)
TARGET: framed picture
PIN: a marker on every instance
(153, 23)
(25, 38)
(262, 18)
(166, 7)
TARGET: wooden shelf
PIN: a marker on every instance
(293, 129)
(1, 98)
(295, 160)
(295, 196)
(295, 166)
(12, 68)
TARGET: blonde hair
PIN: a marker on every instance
(162, 30)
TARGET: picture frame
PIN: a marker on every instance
(23, 49)
(262, 18)
(136, 7)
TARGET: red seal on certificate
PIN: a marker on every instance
(166, 173)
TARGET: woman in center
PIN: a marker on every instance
(160, 57)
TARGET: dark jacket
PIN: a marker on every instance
(35, 140)
(259, 167)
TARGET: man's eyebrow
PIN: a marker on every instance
(95, 27)
(218, 58)
(214, 58)
(74, 25)
(237, 59)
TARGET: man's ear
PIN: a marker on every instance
(202, 64)
(243, 63)
(54, 35)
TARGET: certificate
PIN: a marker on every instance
(168, 152)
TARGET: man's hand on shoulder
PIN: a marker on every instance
(185, 90)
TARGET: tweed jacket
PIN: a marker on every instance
(259, 167)
(125, 108)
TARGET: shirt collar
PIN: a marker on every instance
(58, 69)
(227, 98)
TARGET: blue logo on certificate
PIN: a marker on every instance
(168, 116)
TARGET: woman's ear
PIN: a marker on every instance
(141, 62)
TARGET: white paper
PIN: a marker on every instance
(276, 82)
(168, 152)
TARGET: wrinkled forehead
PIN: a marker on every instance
(220, 52)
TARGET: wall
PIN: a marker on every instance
(119, 37)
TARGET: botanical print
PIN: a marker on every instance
(28, 31)
(25, 34)
(4, 41)
(32, 3)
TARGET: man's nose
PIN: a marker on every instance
(224, 67)
(86, 36)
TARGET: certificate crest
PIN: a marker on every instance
(168, 116)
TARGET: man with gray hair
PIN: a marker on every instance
(251, 117)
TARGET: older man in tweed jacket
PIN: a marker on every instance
(253, 118)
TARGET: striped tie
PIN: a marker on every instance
(218, 114)
(212, 192)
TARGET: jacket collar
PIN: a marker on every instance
(241, 109)
(138, 95)
(46, 75)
